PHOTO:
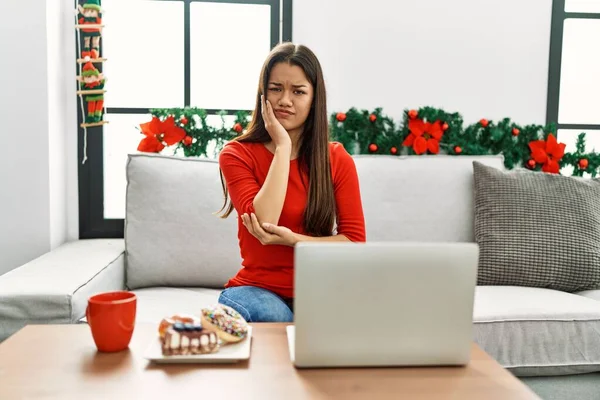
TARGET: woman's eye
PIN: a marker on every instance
(274, 89)
(300, 92)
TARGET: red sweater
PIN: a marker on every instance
(245, 167)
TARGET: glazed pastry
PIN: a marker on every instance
(166, 323)
(189, 339)
(228, 323)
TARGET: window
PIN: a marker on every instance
(573, 80)
(163, 54)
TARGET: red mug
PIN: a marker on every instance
(111, 317)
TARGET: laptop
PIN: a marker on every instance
(383, 304)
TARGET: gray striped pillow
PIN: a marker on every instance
(536, 229)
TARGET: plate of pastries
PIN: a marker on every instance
(219, 334)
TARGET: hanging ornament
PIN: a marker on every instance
(445, 126)
(394, 150)
(457, 149)
(90, 14)
(92, 85)
(531, 163)
(187, 140)
(340, 117)
(184, 120)
(583, 163)
(412, 114)
(515, 132)
(372, 117)
(484, 122)
(373, 147)
(238, 127)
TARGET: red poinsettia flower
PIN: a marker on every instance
(548, 153)
(158, 133)
(424, 136)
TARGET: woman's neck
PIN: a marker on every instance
(295, 136)
(295, 145)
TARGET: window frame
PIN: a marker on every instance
(559, 16)
(92, 224)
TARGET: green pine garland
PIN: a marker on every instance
(364, 132)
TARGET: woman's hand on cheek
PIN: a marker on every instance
(268, 233)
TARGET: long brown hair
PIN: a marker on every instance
(313, 154)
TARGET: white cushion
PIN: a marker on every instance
(154, 304)
(172, 236)
(419, 198)
(535, 332)
(591, 294)
(54, 288)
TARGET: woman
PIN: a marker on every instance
(287, 184)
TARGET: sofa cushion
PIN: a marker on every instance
(422, 198)
(154, 304)
(54, 288)
(172, 236)
(591, 294)
(537, 229)
(536, 332)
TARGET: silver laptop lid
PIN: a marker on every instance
(384, 304)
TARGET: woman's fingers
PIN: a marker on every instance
(247, 224)
(263, 109)
(255, 225)
(270, 111)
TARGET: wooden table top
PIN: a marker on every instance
(61, 361)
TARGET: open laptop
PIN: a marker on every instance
(383, 304)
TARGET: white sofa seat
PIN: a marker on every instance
(54, 288)
(538, 332)
(154, 304)
(591, 294)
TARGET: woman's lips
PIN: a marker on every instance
(283, 114)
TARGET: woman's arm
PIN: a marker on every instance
(350, 216)
(268, 202)
(247, 196)
(335, 238)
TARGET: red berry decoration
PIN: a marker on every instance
(340, 117)
(458, 149)
(184, 120)
(394, 150)
(583, 163)
(373, 147)
(372, 117)
(412, 114)
(531, 163)
(484, 122)
(187, 140)
(445, 127)
(238, 127)
(515, 132)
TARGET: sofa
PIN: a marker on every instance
(177, 254)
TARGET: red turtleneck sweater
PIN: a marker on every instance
(245, 167)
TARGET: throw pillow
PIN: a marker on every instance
(537, 229)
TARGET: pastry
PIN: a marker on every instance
(189, 339)
(166, 323)
(228, 323)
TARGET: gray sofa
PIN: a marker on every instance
(177, 255)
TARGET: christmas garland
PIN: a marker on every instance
(424, 131)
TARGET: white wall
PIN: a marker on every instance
(479, 58)
(62, 106)
(25, 229)
(35, 121)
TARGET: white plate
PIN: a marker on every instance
(230, 353)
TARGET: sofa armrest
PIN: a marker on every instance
(54, 288)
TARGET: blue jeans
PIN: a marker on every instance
(258, 305)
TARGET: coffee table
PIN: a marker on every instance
(61, 362)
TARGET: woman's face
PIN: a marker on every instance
(290, 94)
